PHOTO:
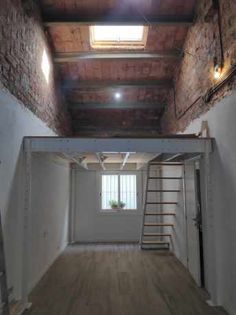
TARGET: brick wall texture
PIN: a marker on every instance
(22, 43)
(195, 76)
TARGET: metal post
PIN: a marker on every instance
(26, 222)
(71, 237)
(209, 229)
(185, 213)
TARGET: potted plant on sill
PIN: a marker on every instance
(115, 205)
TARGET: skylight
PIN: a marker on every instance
(118, 36)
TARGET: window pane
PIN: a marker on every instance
(128, 191)
(109, 190)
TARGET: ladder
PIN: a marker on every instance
(157, 239)
(4, 306)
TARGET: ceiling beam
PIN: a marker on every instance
(78, 160)
(76, 56)
(125, 160)
(62, 19)
(97, 85)
(116, 105)
(166, 157)
(101, 159)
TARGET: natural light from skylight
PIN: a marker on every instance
(118, 33)
(118, 36)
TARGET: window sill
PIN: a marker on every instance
(120, 212)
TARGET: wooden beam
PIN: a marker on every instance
(76, 56)
(118, 105)
(125, 160)
(62, 19)
(94, 85)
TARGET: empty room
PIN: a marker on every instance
(117, 159)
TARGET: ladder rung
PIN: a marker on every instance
(158, 224)
(154, 213)
(159, 190)
(161, 203)
(154, 177)
(155, 242)
(156, 234)
(165, 164)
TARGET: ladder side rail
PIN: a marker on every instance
(145, 203)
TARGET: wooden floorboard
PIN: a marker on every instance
(117, 280)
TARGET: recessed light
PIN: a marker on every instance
(117, 96)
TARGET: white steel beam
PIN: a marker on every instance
(101, 160)
(125, 160)
(149, 145)
(78, 160)
(27, 228)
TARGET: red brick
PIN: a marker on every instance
(195, 74)
(22, 43)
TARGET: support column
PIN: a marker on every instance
(26, 223)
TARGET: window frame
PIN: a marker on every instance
(119, 173)
(106, 44)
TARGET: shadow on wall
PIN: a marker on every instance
(12, 219)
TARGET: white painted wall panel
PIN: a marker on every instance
(16, 122)
(220, 244)
(92, 225)
(50, 207)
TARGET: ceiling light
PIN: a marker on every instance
(45, 65)
(117, 96)
(217, 69)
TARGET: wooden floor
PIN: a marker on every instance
(117, 280)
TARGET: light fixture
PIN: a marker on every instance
(117, 95)
(217, 69)
(45, 66)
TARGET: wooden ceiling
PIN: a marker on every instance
(90, 78)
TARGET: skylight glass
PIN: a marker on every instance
(118, 36)
(118, 33)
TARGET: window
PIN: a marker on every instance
(118, 36)
(119, 192)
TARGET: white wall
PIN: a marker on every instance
(15, 123)
(220, 245)
(49, 217)
(92, 225)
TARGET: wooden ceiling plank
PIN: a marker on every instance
(76, 84)
(117, 105)
(76, 56)
(61, 19)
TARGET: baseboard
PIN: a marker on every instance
(105, 242)
(19, 308)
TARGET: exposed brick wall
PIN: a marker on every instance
(195, 74)
(116, 122)
(22, 43)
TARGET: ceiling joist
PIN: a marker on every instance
(76, 84)
(116, 105)
(101, 158)
(76, 56)
(61, 19)
(125, 160)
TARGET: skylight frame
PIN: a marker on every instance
(115, 44)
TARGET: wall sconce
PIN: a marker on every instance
(217, 69)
